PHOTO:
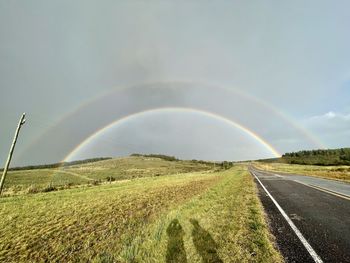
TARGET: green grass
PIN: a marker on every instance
(119, 169)
(341, 173)
(225, 224)
(192, 216)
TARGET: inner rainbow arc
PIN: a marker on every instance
(230, 122)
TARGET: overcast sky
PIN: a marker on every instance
(279, 68)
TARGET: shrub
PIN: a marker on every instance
(95, 182)
(110, 179)
(68, 185)
(49, 188)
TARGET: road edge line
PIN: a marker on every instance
(306, 244)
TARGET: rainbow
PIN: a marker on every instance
(230, 122)
(311, 137)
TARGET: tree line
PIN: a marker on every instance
(319, 157)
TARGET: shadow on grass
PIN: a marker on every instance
(204, 243)
(176, 250)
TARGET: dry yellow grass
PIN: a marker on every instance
(176, 218)
(80, 224)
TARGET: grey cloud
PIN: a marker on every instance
(56, 55)
(332, 127)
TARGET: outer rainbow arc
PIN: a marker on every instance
(272, 108)
(310, 136)
(232, 123)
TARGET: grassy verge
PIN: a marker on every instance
(341, 173)
(178, 218)
(225, 224)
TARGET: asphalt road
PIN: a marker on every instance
(321, 218)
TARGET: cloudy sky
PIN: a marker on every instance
(279, 71)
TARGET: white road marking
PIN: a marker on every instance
(306, 244)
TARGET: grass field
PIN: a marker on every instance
(201, 216)
(341, 173)
(117, 169)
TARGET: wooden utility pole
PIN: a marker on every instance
(21, 122)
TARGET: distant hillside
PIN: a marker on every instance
(160, 156)
(56, 165)
(97, 171)
(174, 159)
(316, 157)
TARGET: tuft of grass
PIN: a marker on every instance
(33, 189)
(104, 257)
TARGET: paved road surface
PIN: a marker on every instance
(331, 185)
(322, 219)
